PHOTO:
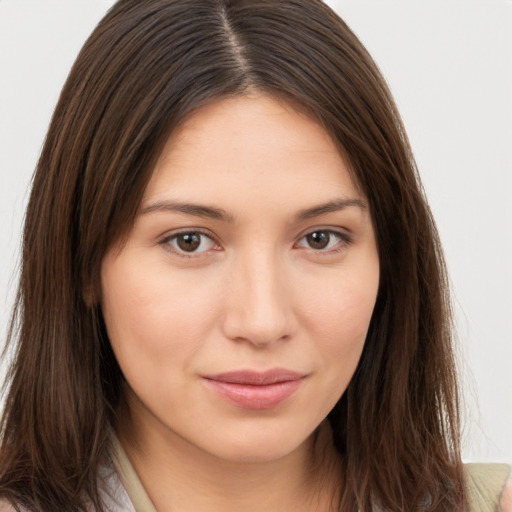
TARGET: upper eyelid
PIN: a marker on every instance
(342, 232)
(331, 231)
(184, 231)
(213, 236)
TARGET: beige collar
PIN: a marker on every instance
(129, 479)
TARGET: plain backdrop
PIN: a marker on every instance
(449, 66)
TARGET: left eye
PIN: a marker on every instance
(321, 240)
(190, 242)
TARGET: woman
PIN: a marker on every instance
(232, 293)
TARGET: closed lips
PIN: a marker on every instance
(255, 390)
(254, 378)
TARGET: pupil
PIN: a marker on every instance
(318, 239)
(189, 242)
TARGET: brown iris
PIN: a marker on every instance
(318, 239)
(189, 242)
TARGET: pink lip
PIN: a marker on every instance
(255, 390)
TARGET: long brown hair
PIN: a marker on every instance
(146, 66)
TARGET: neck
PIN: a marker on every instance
(179, 477)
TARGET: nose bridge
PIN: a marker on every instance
(259, 309)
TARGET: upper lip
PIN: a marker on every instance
(256, 378)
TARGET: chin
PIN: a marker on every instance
(254, 454)
(261, 446)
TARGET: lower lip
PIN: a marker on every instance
(249, 396)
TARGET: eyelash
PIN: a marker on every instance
(166, 243)
(344, 240)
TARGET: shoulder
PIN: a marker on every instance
(489, 487)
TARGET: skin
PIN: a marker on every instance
(255, 294)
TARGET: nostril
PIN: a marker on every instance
(260, 327)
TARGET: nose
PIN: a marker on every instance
(259, 309)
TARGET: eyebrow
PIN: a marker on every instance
(197, 210)
(211, 212)
(329, 207)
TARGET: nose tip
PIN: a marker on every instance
(259, 309)
(260, 331)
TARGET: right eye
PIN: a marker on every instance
(189, 242)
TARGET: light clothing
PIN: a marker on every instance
(489, 487)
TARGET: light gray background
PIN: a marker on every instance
(449, 65)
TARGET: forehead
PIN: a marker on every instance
(249, 151)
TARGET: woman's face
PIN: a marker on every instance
(239, 305)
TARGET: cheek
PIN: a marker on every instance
(343, 341)
(338, 318)
(343, 305)
(152, 317)
(344, 331)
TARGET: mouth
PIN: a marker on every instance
(250, 389)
